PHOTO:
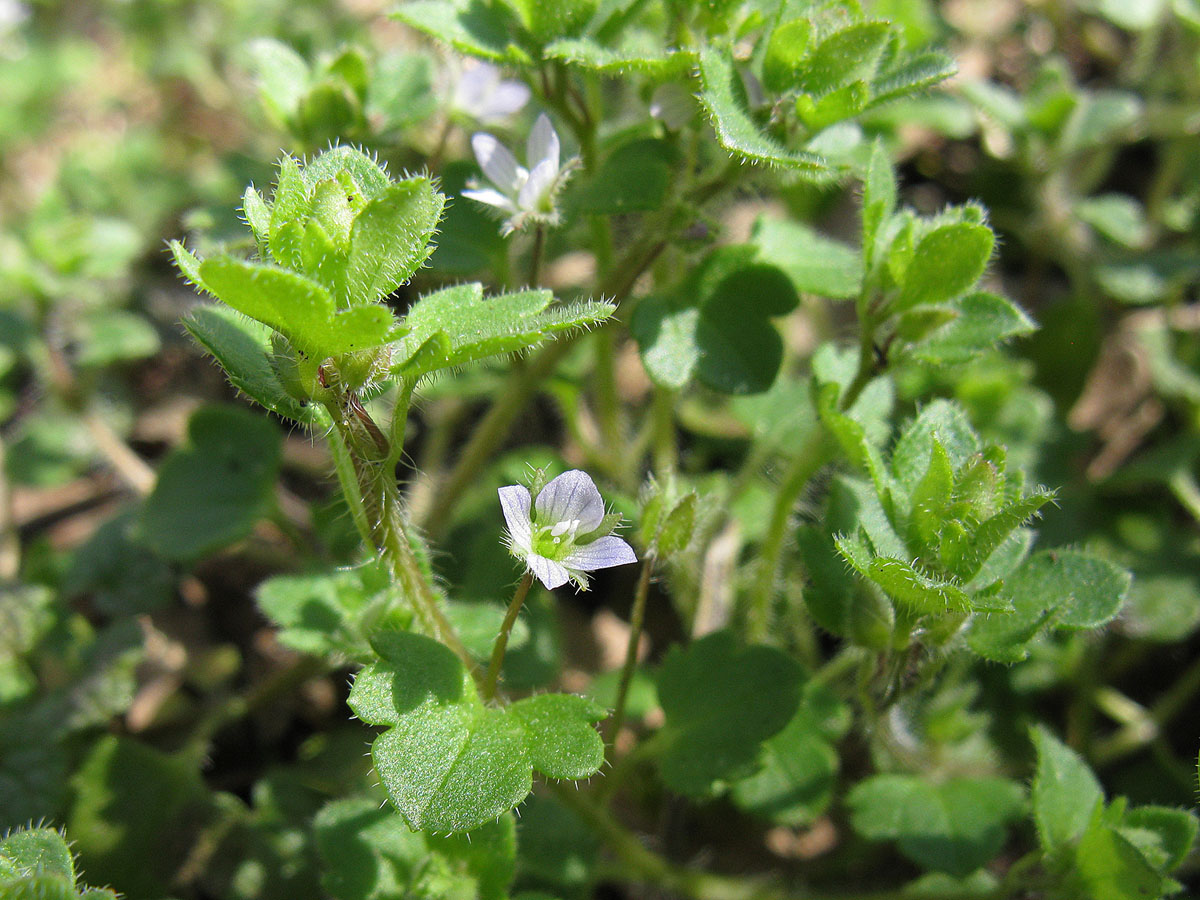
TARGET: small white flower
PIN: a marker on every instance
(483, 95)
(561, 535)
(526, 194)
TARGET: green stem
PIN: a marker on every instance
(666, 450)
(506, 627)
(813, 455)
(535, 256)
(636, 621)
(371, 486)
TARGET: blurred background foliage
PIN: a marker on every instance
(187, 743)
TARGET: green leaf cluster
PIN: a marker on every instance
(336, 239)
(37, 864)
(939, 529)
(450, 763)
(1107, 851)
(346, 96)
(920, 291)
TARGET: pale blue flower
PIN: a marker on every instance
(563, 533)
(485, 96)
(526, 193)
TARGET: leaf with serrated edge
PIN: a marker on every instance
(390, 238)
(448, 762)
(456, 325)
(243, 347)
(297, 307)
(724, 97)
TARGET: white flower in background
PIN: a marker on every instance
(12, 15)
(526, 194)
(563, 533)
(483, 95)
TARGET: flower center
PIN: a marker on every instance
(557, 540)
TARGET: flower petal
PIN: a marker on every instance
(506, 99)
(548, 572)
(514, 501)
(497, 163)
(491, 197)
(542, 145)
(572, 495)
(476, 83)
(602, 553)
(541, 180)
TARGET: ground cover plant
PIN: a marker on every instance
(599, 448)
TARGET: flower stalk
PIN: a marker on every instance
(492, 679)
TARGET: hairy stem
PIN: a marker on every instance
(814, 455)
(506, 627)
(636, 621)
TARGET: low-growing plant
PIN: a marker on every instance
(592, 328)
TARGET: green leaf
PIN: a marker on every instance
(1111, 867)
(559, 745)
(469, 26)
(798, 766)
(243, 348)
(929, 498)
(114, 336)
(401, 93)
(211, 490)
(787, 50)
(470, 239)
(815, 264)
(718, 326)
(879, 199)
(390, 239)
(910, 75)
(1065, 792)
(282, 76)
(942, 422)
(456, 325)
(1118, 217)
(345, 162)
(122, 577)
(628, 56)
(135, 815)
(947, 262)
(666, 336)
(724, 96)
(36, 850)
(921, 593)
(633, 178)
(844, 56)
(368, 853)
(549, 19)
(297, 307)
(721, 702)
(993, 531)
(983, 322)
(955, 826)
(1164, 835)
(33, 774)
(331, 613)
(448, 762)
(1068, 588)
